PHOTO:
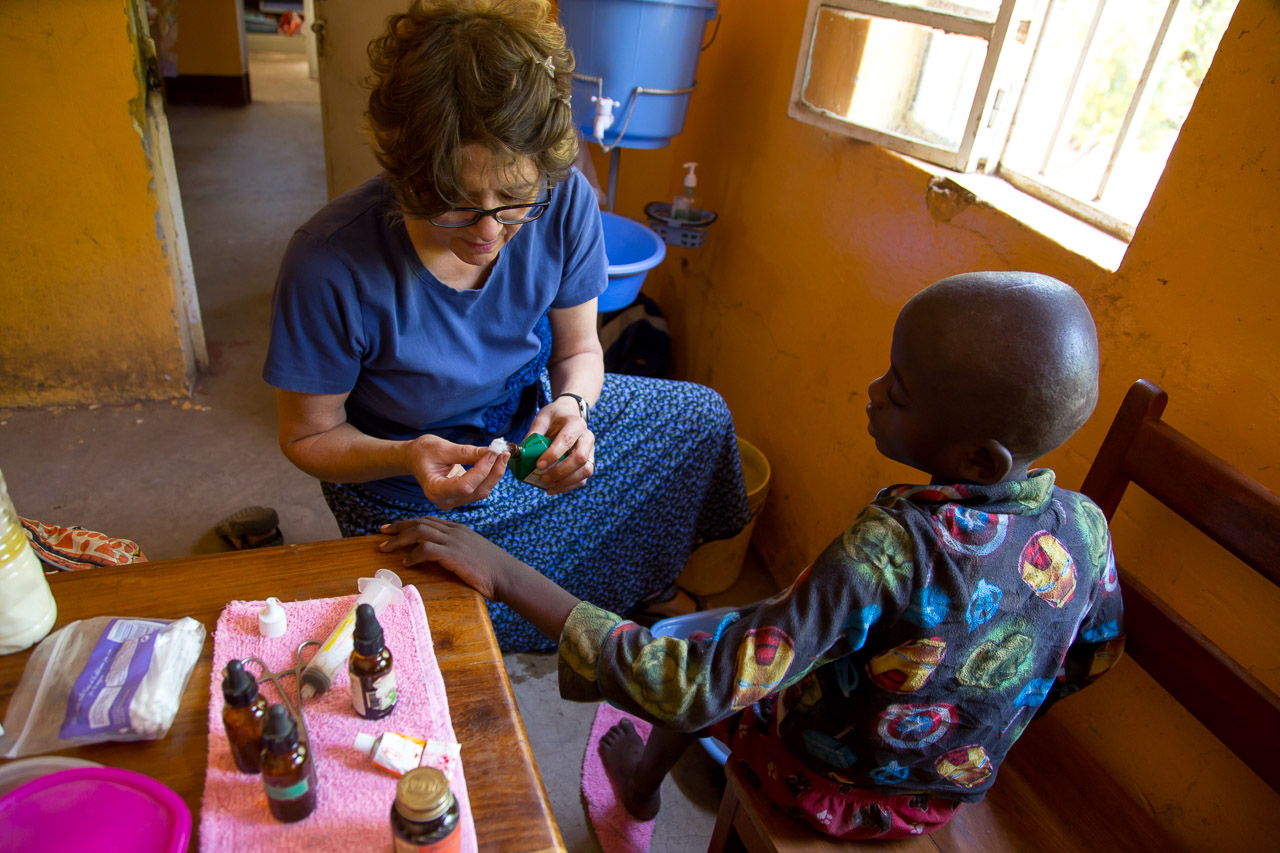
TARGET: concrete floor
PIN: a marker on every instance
(164, 473)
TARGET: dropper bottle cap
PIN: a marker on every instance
(271, 619)
(368, 634)
(238, 687)
(279, 733)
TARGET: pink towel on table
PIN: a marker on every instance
(616, 829)
(355, 797)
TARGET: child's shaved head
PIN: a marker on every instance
(1015, 356)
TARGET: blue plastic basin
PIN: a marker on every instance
(681, 627)
(632, 250)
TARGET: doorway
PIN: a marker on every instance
(280, 48)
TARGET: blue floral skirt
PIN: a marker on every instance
(667, 478)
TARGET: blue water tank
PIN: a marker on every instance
(635, 43)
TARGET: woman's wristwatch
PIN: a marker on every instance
(584, 408)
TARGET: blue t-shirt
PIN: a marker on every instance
(355, 312)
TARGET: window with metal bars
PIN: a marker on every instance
(1077, 102)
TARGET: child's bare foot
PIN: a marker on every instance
(620, 751)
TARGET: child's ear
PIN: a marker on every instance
(987, 462)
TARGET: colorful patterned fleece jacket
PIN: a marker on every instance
(909, 656)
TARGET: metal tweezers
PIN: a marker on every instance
(293, 704)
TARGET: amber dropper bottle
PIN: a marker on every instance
(288, 776)
(373, 680)
(242, 713)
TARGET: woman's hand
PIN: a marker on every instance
(475, 560)
(431, 458)
(561, 422)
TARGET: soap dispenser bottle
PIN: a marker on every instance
(682, 206)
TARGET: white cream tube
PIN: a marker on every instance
(393, 752)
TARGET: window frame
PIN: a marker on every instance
(991, 110)
(1013, 43)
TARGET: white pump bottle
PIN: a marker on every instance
(682, 206)
(27, 608)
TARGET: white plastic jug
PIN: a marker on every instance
(27, 608)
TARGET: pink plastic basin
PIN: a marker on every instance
(104, 809)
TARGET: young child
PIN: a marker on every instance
(885, 686)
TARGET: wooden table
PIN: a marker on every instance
(508, 801)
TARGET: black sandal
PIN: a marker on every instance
(251, 527)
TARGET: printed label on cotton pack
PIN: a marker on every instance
(100, 698)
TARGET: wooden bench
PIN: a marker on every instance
(1051, 795)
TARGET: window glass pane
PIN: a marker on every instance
(1180, 68)
(1068, 143)
(921, 81)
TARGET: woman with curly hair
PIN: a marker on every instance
(451, 300)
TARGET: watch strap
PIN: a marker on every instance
(584, 408)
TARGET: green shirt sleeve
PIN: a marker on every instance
(583, 636)
(862, 580)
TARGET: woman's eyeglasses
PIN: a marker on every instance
(511, 214)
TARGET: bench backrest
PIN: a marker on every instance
(1239, 514)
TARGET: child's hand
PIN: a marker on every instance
(493, 572)
(475, 560)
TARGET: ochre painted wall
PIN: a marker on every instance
(89, 308)
(209, 39)
(788, 310)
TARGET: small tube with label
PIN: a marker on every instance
(393, 752)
